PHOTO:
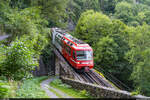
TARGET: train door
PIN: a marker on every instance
(64, 50)
(73, 57)
(68, 50)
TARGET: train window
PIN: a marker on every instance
(74, 57)
(61, 38)
(59, 41)
(68, 42)
(84, 55)
(68, 49)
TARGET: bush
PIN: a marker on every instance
(4, 89)
(19, 60)
(92, 26)
(30, 88)
(106, 52)
(139, 55)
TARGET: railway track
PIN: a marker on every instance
(94, 78)
(89, 77)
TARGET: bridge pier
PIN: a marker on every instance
(57, 66)
(62, 68)
(45, 68)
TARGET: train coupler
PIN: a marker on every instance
(86, 69)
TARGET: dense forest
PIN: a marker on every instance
(117, 30)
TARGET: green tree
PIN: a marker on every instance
(108, 6)
(143, 17)
(29, 26)
(109, 39)
(91, 26)
(124, 12)
(132, 14)
(4, 89)
(20, 22)
(146, 2)
(106, 53)
(111, 50)
(20, 59)
(139, 41)
(53, 11)
(129, 1)
(77, 7)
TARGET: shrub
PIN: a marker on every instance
(4, 89)
(19, 60)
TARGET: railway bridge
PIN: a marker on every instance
(93, 82)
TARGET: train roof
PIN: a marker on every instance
(75, 43)
(72, 41)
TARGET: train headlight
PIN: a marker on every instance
(78, 62)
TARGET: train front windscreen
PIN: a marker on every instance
(84, 55)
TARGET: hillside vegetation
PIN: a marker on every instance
(117, 30)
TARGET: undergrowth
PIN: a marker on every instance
(69, 90)
(31, 89)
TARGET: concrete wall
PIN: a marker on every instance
(57, 67)
(45, 69)
(40, 71)
(99, 91)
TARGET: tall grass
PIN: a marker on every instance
(69, 90)
(31, 89)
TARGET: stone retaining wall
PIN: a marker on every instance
(99, 91)
(40, 71)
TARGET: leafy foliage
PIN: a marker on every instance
(139, 56)
(91, 26)
(53, 11)
(69, 90)
(4, 89)
(76, 7)
(31, 89)
(19, 60)
(22, 22)
(120, 49)
(106, 52)
(124, 11)
(30, 28)
(109, 41)
(132, 14)
(108, 6)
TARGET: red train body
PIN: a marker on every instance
(77, 53)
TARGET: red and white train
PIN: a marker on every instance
(76, 52)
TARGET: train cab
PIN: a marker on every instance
(83, 57)
(79, 55)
